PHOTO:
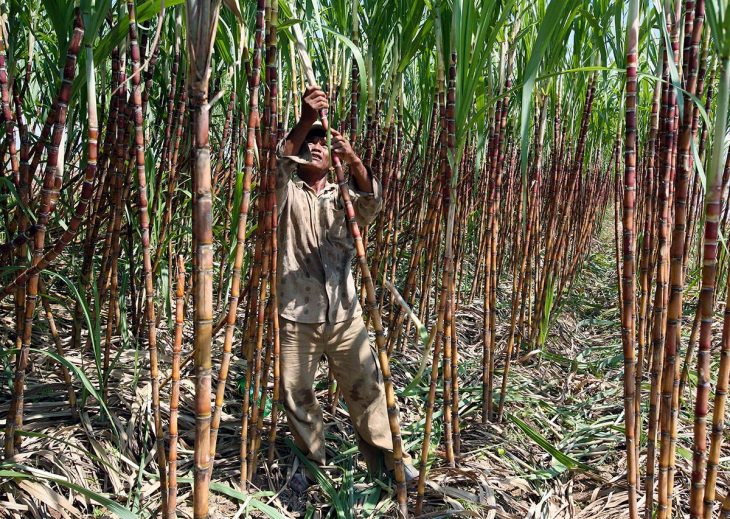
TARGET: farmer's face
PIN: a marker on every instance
(319, 157)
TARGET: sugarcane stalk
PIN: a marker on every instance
(202, 23)
(628, 290)
(270, 218)
(139, 147)
(713, 201)
(234, 295)
(48, 196)
(175, 388)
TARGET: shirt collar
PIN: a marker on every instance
(328, 187)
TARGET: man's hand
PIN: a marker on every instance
(313, 100)
(343, 148)
(344, 151)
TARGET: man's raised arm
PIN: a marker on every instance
(365, 189)
(313, 100)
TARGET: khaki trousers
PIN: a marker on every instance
(354, 364)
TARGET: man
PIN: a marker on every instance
(319, 312)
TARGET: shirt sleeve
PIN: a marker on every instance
(366, 205)
(286, 165)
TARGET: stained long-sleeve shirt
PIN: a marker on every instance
(315, 281)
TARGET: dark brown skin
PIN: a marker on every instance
(314, 173)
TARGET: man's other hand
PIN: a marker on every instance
(343, 148)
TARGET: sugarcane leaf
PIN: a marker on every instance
(673, 72)
(355, 53)
(716, 15)
(7, 184)
(60, 14)
(556, 453)
(145, 11)
(285, 10)
(93, 326)
(699, 104)
(557, 15)
(324, 481)
(14, 472)
(224, 41)
(371, 500)
(697, 161)
(233, 6)
(288, 23)
(684, 452)
(84, 380)
(89, 454)
(251, 500)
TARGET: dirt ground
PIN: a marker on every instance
(557, 454)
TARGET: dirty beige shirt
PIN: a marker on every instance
(316, 250)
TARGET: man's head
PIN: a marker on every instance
(314, 151)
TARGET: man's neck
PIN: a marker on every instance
(317, 184)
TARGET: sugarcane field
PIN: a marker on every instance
(364, 258)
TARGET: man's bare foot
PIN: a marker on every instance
(299, 483)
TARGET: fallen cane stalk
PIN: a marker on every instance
(426, 338)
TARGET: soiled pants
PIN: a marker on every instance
(356, 370)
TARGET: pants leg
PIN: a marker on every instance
(301, 347)
(356, 369)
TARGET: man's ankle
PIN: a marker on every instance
(410, 472)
